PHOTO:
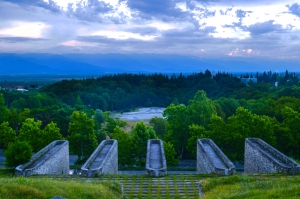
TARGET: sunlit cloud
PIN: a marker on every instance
(25, 29)
(75, 43)
(121, 35)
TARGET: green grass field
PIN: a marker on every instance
(254, 187)
(12, 187)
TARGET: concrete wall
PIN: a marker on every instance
(159, 159)
(57, 163)
(109, 164)
(260, 157)
(206, 163)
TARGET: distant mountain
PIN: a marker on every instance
(99, 64)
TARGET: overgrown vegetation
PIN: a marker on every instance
(264, 186)
(14, 188)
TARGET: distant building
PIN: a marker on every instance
(248, 80)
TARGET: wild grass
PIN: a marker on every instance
(143, 186)
(252, 187)
(23, 188)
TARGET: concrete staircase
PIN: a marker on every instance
(145, 187)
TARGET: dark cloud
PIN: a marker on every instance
(164, 9)
(89, 11)
(295, 9)
(265, 27)
(51, 6)
(20, 39)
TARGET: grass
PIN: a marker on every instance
(20, 187)
(143, 186)
(255, 186)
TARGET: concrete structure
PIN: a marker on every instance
(53, 159)
(104, 160)
(156, 164)
(210, 159)
(260, 157)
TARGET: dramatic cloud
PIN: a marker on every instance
(91, 10)
(204, 28)
(51, 5)
(295, 9)
(265, 27)
(153, 8)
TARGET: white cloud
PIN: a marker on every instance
(122, 35)
(25, 29)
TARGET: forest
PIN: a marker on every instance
(199, 105)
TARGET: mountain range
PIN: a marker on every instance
(99, 64)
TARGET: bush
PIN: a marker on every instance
(18, 153)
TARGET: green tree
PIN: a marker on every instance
(50, 133)
(83, 140)
(7, 135)
(112, 123)
(30, 132)
(196, 132)
(140, 135)
(228, 105)
(4, 112)
(124, 146)
(79, 106)
(170, 154)
(34, 102)
(289, 138)
(177, 126)
(99, 118)
(18, 153)
(230, 136)
(200, 109)
(159, 125)
(283, 102)
(16, 119)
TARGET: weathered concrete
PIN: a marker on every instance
(210, 159)
(104, 160)
(260, 157)
(156, 164)
(53, 159)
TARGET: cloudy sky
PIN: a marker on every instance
(202, 28)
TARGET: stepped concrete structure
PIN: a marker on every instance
(156, 164)
(210, 159)
(53, 159)
(260, 157)
(104, 160)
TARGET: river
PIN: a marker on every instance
(140, 114)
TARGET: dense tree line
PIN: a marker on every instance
(198, 105)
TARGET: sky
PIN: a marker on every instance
(203, 28)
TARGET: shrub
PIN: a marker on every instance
(18, 153)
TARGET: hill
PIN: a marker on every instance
(98, 64)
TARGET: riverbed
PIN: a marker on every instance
(140, 114)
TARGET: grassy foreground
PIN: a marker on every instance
(19, 187)
(261, 186)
